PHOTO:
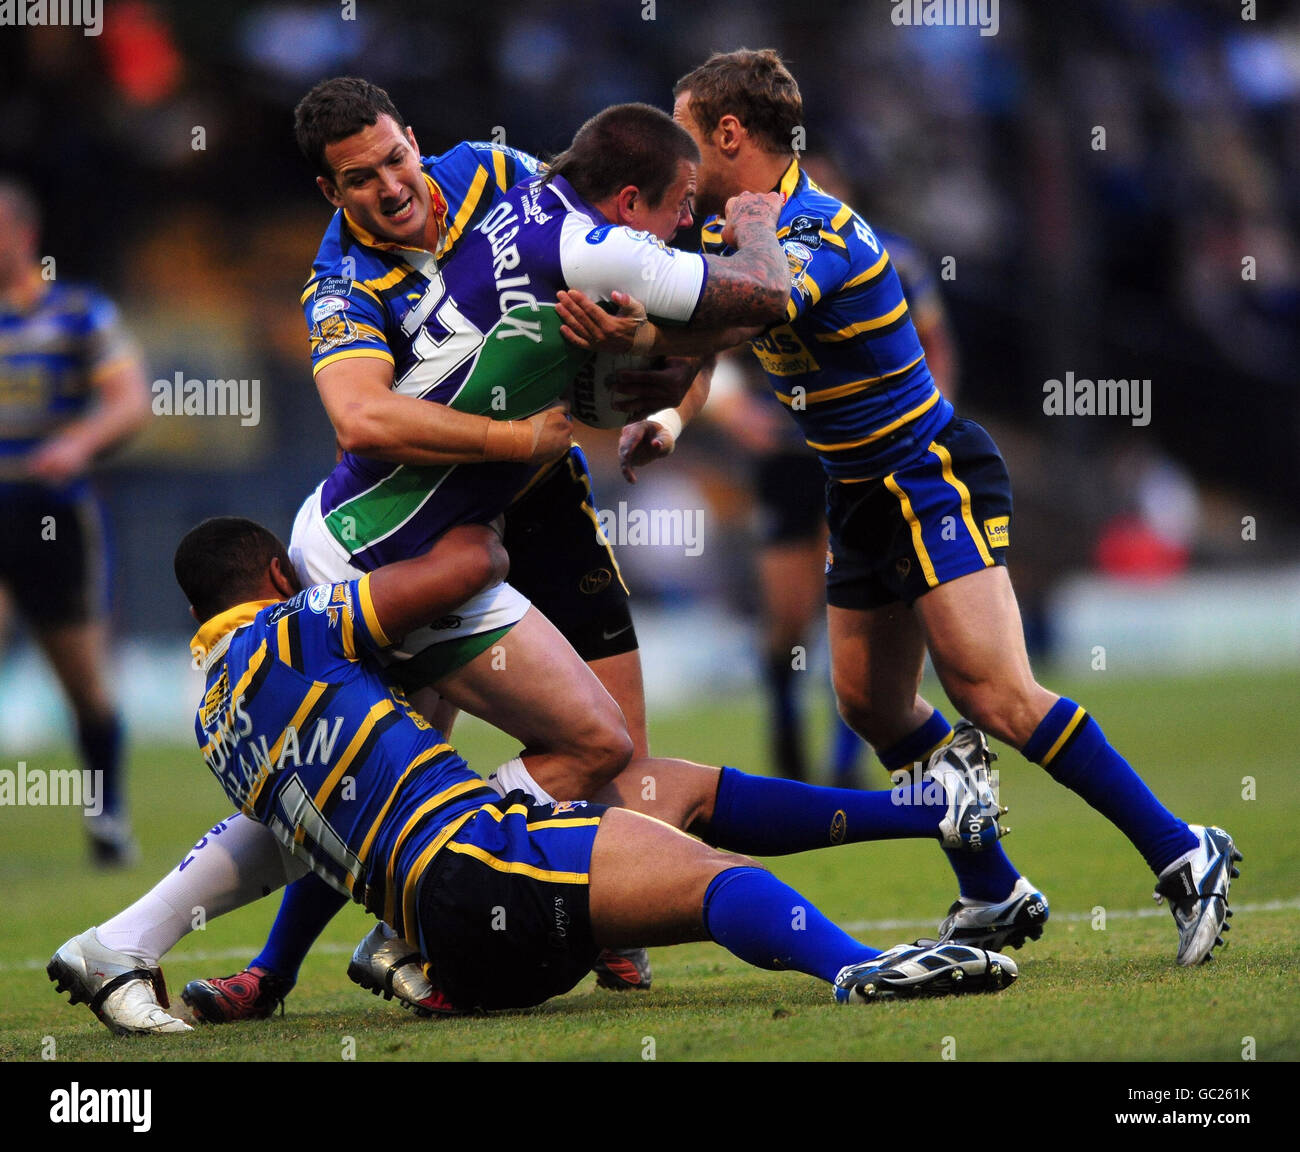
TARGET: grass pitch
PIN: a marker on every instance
(1101, 984)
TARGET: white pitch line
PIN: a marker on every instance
(1075, 917)
(249, 951)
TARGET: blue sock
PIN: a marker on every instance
(308, 905)
(768, 924)
(918, 745)
(760, 816)
(100, 742)
(846, 751)
(1071, 746)
(987, 875)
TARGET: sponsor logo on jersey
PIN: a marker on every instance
(326, 306)
(318, 598)
(560, 806)
(807, 230)
(903, 567)
(446, 623)
(998, 531)
(333, 286)
(332, 331)
(782, 353)
(596, 235)
(798, 257)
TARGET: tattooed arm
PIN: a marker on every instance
(743, 294)
(753, 285)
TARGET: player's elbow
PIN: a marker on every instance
(360, 433)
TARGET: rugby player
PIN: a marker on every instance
(72, 389)
(919, 508)
(509, 898)
(379, 310)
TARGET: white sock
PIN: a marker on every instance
(511, 775)
(223, 871)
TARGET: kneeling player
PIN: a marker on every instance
(509, 900)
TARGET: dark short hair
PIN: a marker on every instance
(221, 563)
(753, 86)
(625, 144)
(336, 109)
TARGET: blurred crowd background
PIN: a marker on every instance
(1123, 261)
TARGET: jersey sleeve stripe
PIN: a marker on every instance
(499, 166)
(368, 615)
(882, 432)
(842, 217)
(869, 276)
(848, 389)
(366, 353)
(894, 314)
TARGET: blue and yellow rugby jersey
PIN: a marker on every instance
(305, 737)
(485, 338)
(847, 361)
(53, 347)
(362, 288)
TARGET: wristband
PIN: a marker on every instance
(644, 338)
(508, 440)
(669, 420)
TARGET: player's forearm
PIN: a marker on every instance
(406, 430)
(698, 393)
(122, 411)
(699, 341)
(751, 286)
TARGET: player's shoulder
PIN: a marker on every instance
(344, 266)
(822, 223)
(463, 163)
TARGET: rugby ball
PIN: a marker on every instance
(591, 396)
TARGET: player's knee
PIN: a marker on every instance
(604, 749)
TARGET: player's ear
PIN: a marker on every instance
(629, 202)
(729, 134)
(410, 139)
(195, 614)
(329, 191)
(285, 583)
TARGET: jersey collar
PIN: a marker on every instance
(372, 241)
(213, 638)
(789, 182)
